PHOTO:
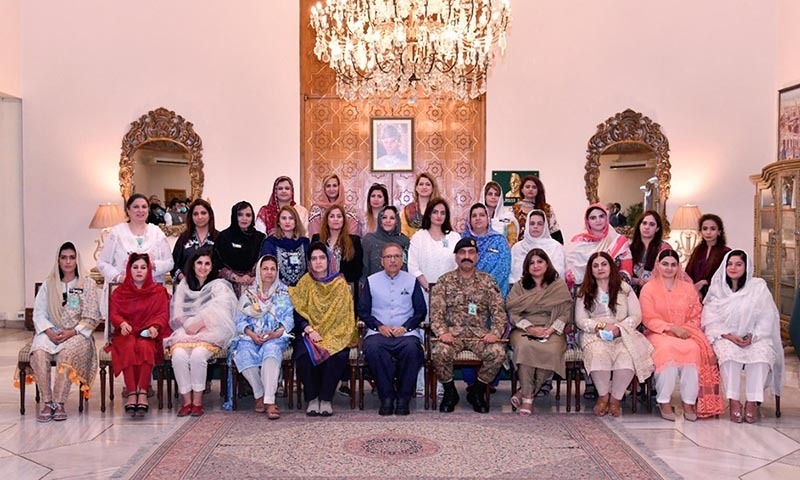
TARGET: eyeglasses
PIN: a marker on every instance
(392, 257)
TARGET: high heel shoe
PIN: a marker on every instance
(142, 408)
(736, 411)
(131, 407)
(667, 412)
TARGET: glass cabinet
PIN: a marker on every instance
(777, 234)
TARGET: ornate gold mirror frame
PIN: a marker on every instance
(630, 127)
(161, 125)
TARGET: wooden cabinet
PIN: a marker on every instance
(777, 234)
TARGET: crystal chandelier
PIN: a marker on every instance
(404, 48)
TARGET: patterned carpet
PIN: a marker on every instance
(424, 445)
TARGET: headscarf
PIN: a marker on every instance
(709, 400)
(584, 244)
(248, 243)
(750, 310)
(520, 249)
(142, 307)
(269, 212)
(327, 304)
(373, 243)
(393, 235)
(498, 266)
(55, 297)
(322, 204)
(503, 218)
(253, 302)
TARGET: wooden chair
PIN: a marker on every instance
(219, 359)
(24, 365)
(288, 380)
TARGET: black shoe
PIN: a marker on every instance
(476, 396)
(344, 389)
(387, 407)
(450, 398)
(402, 407)
(590, 393)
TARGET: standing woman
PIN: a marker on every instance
(539, 307)
(607, 312)
(502, 217)
(346, 248)
(200, 233)
(289, 245)
(264, 321)
(537, 235)
(134, 236)
(139, 313)
(377, 198)
(325, 323)
(282, 196)
(742, 323)
(236, 249)
(425, 190)
(494, 256)
(203, 307)
(598, 237)
(65, 314)
(533, 197)
(646, 245)
(707, 257)
(430, 252)
(332, 194)
(671, 313)
(388, 232)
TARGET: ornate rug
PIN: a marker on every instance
(423, 445)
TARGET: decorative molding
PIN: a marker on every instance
(161, 125)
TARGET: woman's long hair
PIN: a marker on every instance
(188, 268)
(637, 246)
(589, 289)
(717, 251)
(344, 240)
(550, 274)
(190, 226)
(299, 230)
(370, 216)
(447, 227)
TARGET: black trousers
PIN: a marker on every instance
(391, 358)
(320, 381)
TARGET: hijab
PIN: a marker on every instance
(544, 241)
(269, 212)
(238, 249)
(55, 294)
(141, 307)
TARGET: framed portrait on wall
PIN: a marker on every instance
(392, 141)
(789, 123)
(511, 183)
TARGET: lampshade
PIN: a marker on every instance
(107, 215)
(686, 218)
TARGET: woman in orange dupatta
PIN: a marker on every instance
(671, 313)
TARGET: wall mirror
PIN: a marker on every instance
(627, 162)
(162, 155)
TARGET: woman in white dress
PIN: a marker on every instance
(743, 326)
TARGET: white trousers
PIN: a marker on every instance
(264, 380)
(755, 380)
(190, 366)
(689, 384)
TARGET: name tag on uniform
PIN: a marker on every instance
(472, 309)
(235, 245)
(73, 301)
(492, 250)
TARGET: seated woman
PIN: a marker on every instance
(289, 244)
(264, 321)
(65, 314)
(539, 306)
(203, 307)
(742, 323)
(139, 313)
(645, 246)
(388, 231)
(671, 313)
(324, 318)
(537, 235)
(598, 237)
(607, 313)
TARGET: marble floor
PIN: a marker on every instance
(110, 444)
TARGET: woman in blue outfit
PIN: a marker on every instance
(264, 320)
(494, 255)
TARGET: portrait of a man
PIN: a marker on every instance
(392, 144)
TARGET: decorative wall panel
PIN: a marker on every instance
(449, 139)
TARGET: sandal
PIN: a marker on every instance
(615, 407)
(590, 393)
(527, 407)
(131, 407)
(273, 413)
(750, 412)
(142, 407)
(736, 411)
(516, 400)
(47, 413)
(259, 407)
(601, 407)
(667, 412)
(60, 414)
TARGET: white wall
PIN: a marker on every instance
(9, 48)
(12, 291)
(704, 70)
(788, 70)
